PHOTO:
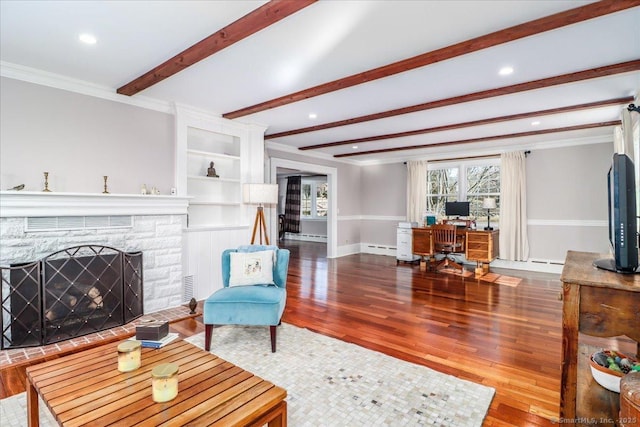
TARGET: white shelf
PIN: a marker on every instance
(213, 179)
(212, 154)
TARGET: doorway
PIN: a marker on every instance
(291, 166)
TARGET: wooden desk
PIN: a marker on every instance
(482, 247)
(479, 245)
(599, 303)
(86, 389)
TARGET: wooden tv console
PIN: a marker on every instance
(598, 303)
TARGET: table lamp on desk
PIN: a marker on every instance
(488, 204)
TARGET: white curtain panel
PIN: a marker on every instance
(416, 190)
(514, 244)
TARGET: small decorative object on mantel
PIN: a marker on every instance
(192, 305)
(211, 171)
(164, 383)
(16, 188)
(105, 185)
(143, 190)
(46, 183)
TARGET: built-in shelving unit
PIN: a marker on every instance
(216, 201)
(217, 217)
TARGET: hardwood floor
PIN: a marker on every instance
(502, 336)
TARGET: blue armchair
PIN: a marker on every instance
(255, 304)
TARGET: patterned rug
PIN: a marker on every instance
(334, 383)
(331, 383)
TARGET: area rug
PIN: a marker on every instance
(334, 383)
(331, 383)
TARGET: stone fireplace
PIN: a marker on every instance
(34, 226)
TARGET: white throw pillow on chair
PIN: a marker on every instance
(251, 268)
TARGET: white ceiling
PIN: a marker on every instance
(329, 40)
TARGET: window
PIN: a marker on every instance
(442, 187)
(471, 181)
(482, 182)
(313, 199)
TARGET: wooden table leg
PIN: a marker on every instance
(275, 417)
(33, 414)
(570, 328)
(280, 416)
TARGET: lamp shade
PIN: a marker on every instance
(260, 194)
(489, 203)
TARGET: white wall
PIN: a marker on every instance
(567, 200)
(78, 139)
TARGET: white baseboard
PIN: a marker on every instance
(306, 237)
(541, 266)
(351, 249)
(372, 248)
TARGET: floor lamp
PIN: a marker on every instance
(260, 194)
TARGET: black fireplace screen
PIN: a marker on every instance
(70, 293)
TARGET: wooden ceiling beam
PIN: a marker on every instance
(251, 23)
(537, 26)
(567, 109)
(592, 73)
(483, 139)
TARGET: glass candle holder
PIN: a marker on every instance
(164, 383)
(129, 355)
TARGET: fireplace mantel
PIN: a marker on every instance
(38, 204)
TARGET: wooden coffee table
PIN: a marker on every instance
(87, 389)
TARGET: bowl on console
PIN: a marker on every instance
(617, 365)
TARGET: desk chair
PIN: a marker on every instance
(445, 242)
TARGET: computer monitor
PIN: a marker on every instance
(456, 209)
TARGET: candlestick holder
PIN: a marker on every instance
(46, 183)
(105, 185)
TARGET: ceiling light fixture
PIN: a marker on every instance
(313, 116)
(87, 38)
(505, 71)
(536, 123)
(355, 147)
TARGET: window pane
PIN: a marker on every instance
(483, 182)
(305, 201)
(321, 199)
(442, 186)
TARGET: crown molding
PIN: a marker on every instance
(58, 81)
(270, 145)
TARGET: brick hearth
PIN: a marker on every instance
(18, 356)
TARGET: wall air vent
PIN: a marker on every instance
(54, 223)
(187, 289)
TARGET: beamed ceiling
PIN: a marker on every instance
(386, 80)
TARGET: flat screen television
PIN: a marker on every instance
(623, 217)
(456, 208)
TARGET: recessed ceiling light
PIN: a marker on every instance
(505, 71)
(87, 38)
(536, 123)
(313, 116)
(355, 147)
